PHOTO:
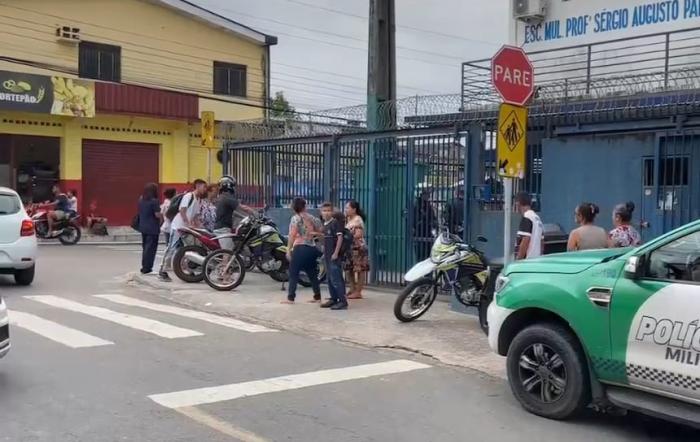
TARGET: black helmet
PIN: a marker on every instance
(227, 183)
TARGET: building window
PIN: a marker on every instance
(673, 171)
(229, 79)
(100, 61)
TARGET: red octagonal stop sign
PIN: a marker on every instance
(512, 75)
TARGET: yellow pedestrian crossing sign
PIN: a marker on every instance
(511, 141)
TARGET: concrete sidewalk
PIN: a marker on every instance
(450, 337)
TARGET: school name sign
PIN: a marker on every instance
(609, 19)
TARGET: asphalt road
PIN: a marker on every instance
(148, 372)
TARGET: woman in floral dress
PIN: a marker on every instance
(624, 235)
(357, 266)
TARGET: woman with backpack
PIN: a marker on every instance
(303, 253)
(358, 265)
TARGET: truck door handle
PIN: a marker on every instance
(600, 296)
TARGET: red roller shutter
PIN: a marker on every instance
(114, 174)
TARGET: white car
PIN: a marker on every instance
(18, 244)
(4, 330)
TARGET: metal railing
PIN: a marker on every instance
(625, 66)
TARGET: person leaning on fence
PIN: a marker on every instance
(357, 266)
(303, 254)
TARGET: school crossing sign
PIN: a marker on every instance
(511, 141)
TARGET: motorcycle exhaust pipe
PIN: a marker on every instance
(195, 258)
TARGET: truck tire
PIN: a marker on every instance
(547, 371)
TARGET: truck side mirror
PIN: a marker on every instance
(634, 268)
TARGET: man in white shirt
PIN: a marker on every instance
(190, 204)
(530, 239)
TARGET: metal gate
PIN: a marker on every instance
(671, 183)
(408, 182)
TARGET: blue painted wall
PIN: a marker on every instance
(603, 169)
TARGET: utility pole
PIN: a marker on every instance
(381, 75)
(381, 107)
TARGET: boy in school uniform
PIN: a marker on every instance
(332, 246)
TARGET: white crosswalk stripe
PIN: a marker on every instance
(209, 395)
(208, 317)
(54, 331)
(136, 322)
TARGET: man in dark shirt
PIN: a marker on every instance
(332, 244)
(225, 206)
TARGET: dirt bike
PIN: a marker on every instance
(225, 270)
(67, 230)
(189, 259)
(459, 267)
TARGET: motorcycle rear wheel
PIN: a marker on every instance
(219, 261)
(304, 280)
(186, 270)
(70, 236)
(421, 305)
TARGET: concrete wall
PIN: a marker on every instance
(602, 169)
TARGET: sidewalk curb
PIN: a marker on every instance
(166, 293)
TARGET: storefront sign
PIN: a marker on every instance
(208, 129)
(75, 98)
(25, 92)
(38, 93)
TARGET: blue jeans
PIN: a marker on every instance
(304, 258)
(336, 281)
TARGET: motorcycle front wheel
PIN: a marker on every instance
(415, 299)
(223, 270)
(70, 236)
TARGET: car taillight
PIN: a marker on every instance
(27, 228)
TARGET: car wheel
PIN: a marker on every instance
(547, 371)
(24, 277)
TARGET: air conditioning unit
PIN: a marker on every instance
(529, 10)
(68, 34)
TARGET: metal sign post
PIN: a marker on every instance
(512, 76)
(507, 217)
(511, 143)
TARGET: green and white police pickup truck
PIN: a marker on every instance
(614, 327)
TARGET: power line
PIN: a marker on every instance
(150, 62)
(334, 34)
(413, 28)
(201, 94)
(210, 49)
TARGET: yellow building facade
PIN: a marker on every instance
(107, 94)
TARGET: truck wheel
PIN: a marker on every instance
(547, 371)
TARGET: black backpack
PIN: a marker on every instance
(174, 207)
(348, 239)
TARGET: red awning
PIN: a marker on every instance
(114, 98)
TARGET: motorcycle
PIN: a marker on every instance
(459, 267)
(67, 230)
(188, 260)
(225, 269)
